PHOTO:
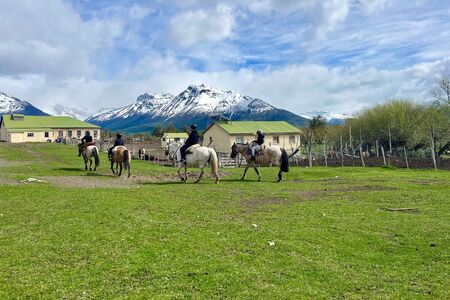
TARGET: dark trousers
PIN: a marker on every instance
(183, 151)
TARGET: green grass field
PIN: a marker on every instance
(322, 233)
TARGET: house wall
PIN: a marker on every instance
(222, 141)
(39, 136)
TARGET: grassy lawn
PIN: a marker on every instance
(322, 233)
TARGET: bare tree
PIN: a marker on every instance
(442, 90)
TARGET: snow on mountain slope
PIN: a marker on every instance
(145, 104)
(61, 110)
(195, 100)
(13, 105)
(196, 104)
(327, 115)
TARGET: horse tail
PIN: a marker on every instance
(284, 161)
(96, 157)
(126, 159)
(214, 163)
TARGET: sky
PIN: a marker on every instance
(330, 55)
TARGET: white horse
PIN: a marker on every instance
(200, 156)
(87, 153)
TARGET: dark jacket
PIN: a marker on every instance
(192, 139)
(118, 142)
(87, 139)
(260, 139)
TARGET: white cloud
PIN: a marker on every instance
(50, 38)
(139, 12)
(200, 25)
(298, 88)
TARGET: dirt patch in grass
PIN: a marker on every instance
(110, 181)
(363, 188)
(250, 205)
(8, 181)
(427, 182)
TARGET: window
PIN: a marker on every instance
(239, 139)
(78, 133)
(60, 133)
(276, 139)
(46, 134)
(69, 133)
(292, 139)
(95, 133)
(163, 139)
(30, 134)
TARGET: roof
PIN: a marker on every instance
(175, 135)
(35, 123)
(250, 127)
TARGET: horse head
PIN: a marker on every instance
(172, 149)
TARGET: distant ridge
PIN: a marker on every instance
(13, 105)
(196, 104)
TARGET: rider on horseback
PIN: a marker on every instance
(191, 140)
(118, 142)
(86, 141)
(256, 144)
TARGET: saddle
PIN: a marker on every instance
(192, 148)
(261, 151)
(90, 144)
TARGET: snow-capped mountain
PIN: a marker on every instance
(13, 105)
(61, 110)
(197, 104)
(332, 118)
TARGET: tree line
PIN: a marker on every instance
(397, 123)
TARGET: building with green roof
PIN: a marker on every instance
(18, 128)
(222, 135)
(170, 137)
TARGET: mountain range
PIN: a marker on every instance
(13, 105)
(198, 104)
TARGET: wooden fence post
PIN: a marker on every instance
(384, 157)
(325, 153)
(361, 154)
(342, 152)
(406, 157)
(433, 153)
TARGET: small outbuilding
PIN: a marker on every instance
(222, 135)
(170, 137)
(18, 128)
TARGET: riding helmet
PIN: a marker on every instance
(193, 126)
(88, 132)
(119, 136)
(259, 132)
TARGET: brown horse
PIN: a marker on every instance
(273, 155)
(121, 156)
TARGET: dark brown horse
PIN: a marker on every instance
(122, 158)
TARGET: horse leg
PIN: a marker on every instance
(245, 172)
(120, 172)
(257, 173)
(185, 172)
(117, 168)
(90, 164)
(179, 173)
(85, 164)
(202, 170)
(280, 176)
(112, 167)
